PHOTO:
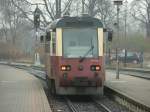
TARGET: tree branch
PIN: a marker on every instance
(24, 13)
(46, 5)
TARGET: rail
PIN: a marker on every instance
(101, 106)
(71, 106)
(145, 74)
(123, 99)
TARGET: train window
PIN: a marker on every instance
(47, 47)
(54, 42)
(47, 43)
(42, 38)
(80, 41)
(48, 36)
(110, 35)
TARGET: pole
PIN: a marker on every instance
(37, 14)
(109, 62)
(125, 60)
(36, 45)
(117, 68)
(82, 6)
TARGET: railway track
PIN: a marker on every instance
(64, 104)
(101, 106)
(140, 74)
(89, 104)
(86, 106)
(137, 74)
(83, 104)
(131, 104)
(71, 106)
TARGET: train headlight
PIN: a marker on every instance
(65, 68)
(95, 68)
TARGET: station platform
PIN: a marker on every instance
(21, 92)
(135, 88)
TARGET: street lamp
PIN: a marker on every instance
(117, 3)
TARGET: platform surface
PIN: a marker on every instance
(21, 92)
(134, 87)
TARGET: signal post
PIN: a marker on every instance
(117, 3)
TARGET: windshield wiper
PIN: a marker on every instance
(84, 56)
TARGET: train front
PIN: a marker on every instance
(81, 67)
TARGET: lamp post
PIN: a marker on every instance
(117, 3)
(37, 14)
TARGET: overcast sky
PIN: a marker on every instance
(37, 1)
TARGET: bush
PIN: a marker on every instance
(9, 51)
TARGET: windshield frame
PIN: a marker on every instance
(97, 51)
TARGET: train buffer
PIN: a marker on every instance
(21, 92)
(135, 88)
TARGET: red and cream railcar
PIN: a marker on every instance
(75, 56)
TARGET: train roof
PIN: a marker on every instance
(75, 22)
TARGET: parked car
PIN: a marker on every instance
(132, 57)
(113, 57)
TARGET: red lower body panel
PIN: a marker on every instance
(77, 77)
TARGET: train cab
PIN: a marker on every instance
(74, 56)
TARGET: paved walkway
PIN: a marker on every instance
(136, 88)
(21, 92)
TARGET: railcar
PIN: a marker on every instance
(74, 56)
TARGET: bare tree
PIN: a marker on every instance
(141, 12)
(106, 12)
(11, 18)
(4, 18)
(57, 8)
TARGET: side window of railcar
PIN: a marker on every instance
(47, 43)
(53, 43)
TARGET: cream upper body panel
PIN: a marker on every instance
(59, 42)
(100, 41)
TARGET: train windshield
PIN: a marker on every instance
(80, 42)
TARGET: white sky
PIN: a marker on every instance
(39, 1)
(36, 1)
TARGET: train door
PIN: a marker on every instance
(52, 54)
(47, 53)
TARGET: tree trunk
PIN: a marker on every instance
(91, 7)
(58, 9)
(148, 30)
(57, 6)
